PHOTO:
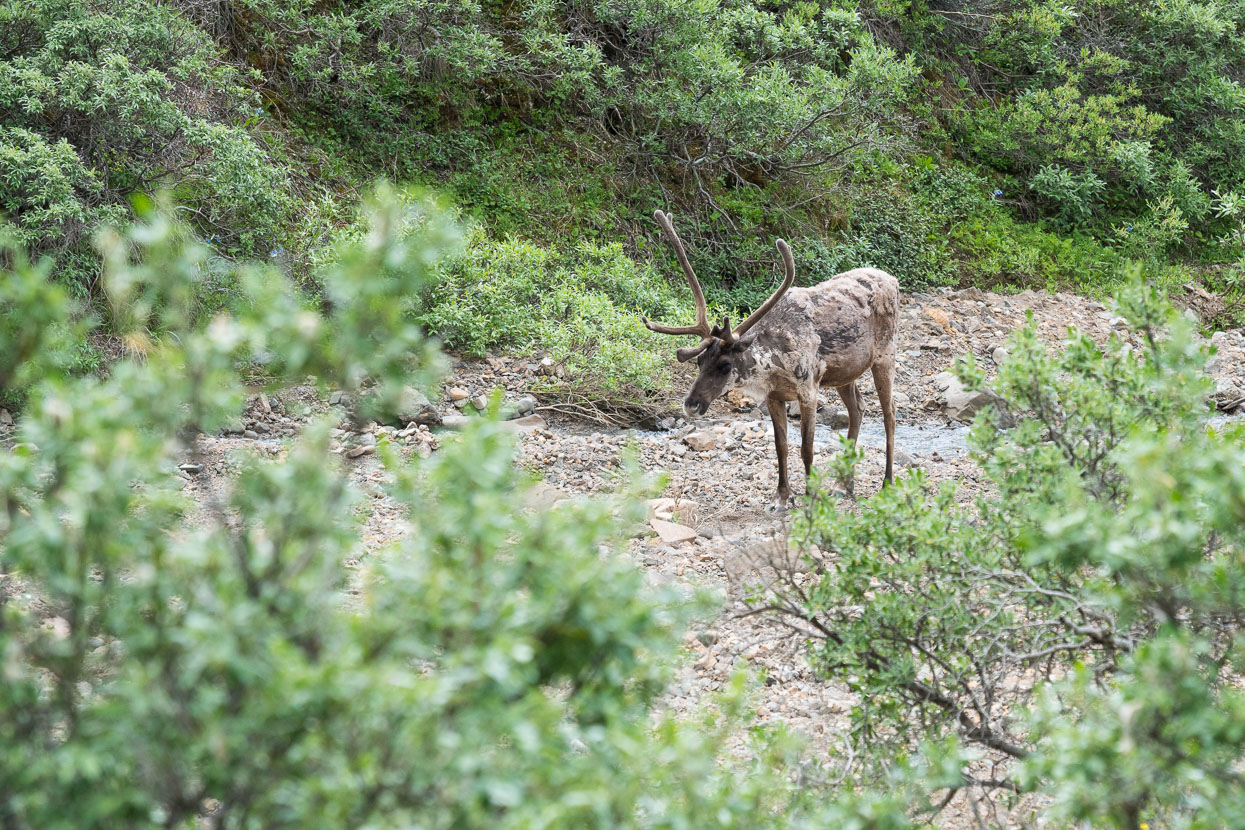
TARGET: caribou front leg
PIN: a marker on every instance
(778, 414)
(808, 423)
(883, 377)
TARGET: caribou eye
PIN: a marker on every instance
(723, 367)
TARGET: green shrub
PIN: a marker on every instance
(1074, 627)
(1074, 197)
(573, 121)
(581, 304)
(166, 667)
(99, 102)
(1152, 234)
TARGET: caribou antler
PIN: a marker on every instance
(788, 263)
(722, 332)
(701, 326)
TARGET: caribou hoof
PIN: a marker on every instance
(779, 506)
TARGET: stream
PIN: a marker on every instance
(948, 440)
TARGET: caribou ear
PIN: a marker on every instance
(747, 340)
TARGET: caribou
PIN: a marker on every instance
(797, 341)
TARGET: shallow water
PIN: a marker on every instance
(915, 439)
(948, 441)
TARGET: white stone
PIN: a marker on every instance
(958, 403)
(701, 441)
(671, 533)
(526, 424)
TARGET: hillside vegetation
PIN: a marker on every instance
(992, 142)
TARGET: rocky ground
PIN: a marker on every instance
(712, 528)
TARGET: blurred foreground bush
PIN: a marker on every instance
(175, 665)
(1071, 628)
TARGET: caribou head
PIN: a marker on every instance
(724, 355)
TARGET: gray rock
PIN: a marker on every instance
(525, 424)
(832, 417)
(903, 459)
(546, 366)
(958, 403)
(5, 418)
(999, 354)
(1228, 394)
(192, 469)
(480, 402)
(455, 421)
(542, 496)
(335, 398)
(414, 406)
(525, 405)
(250, 434)
(901, 400)
(363, 449)
(701, 441)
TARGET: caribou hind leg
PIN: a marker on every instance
(883, 377)
(778, 413)
(851, 400)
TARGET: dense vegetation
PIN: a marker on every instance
(999, 142)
